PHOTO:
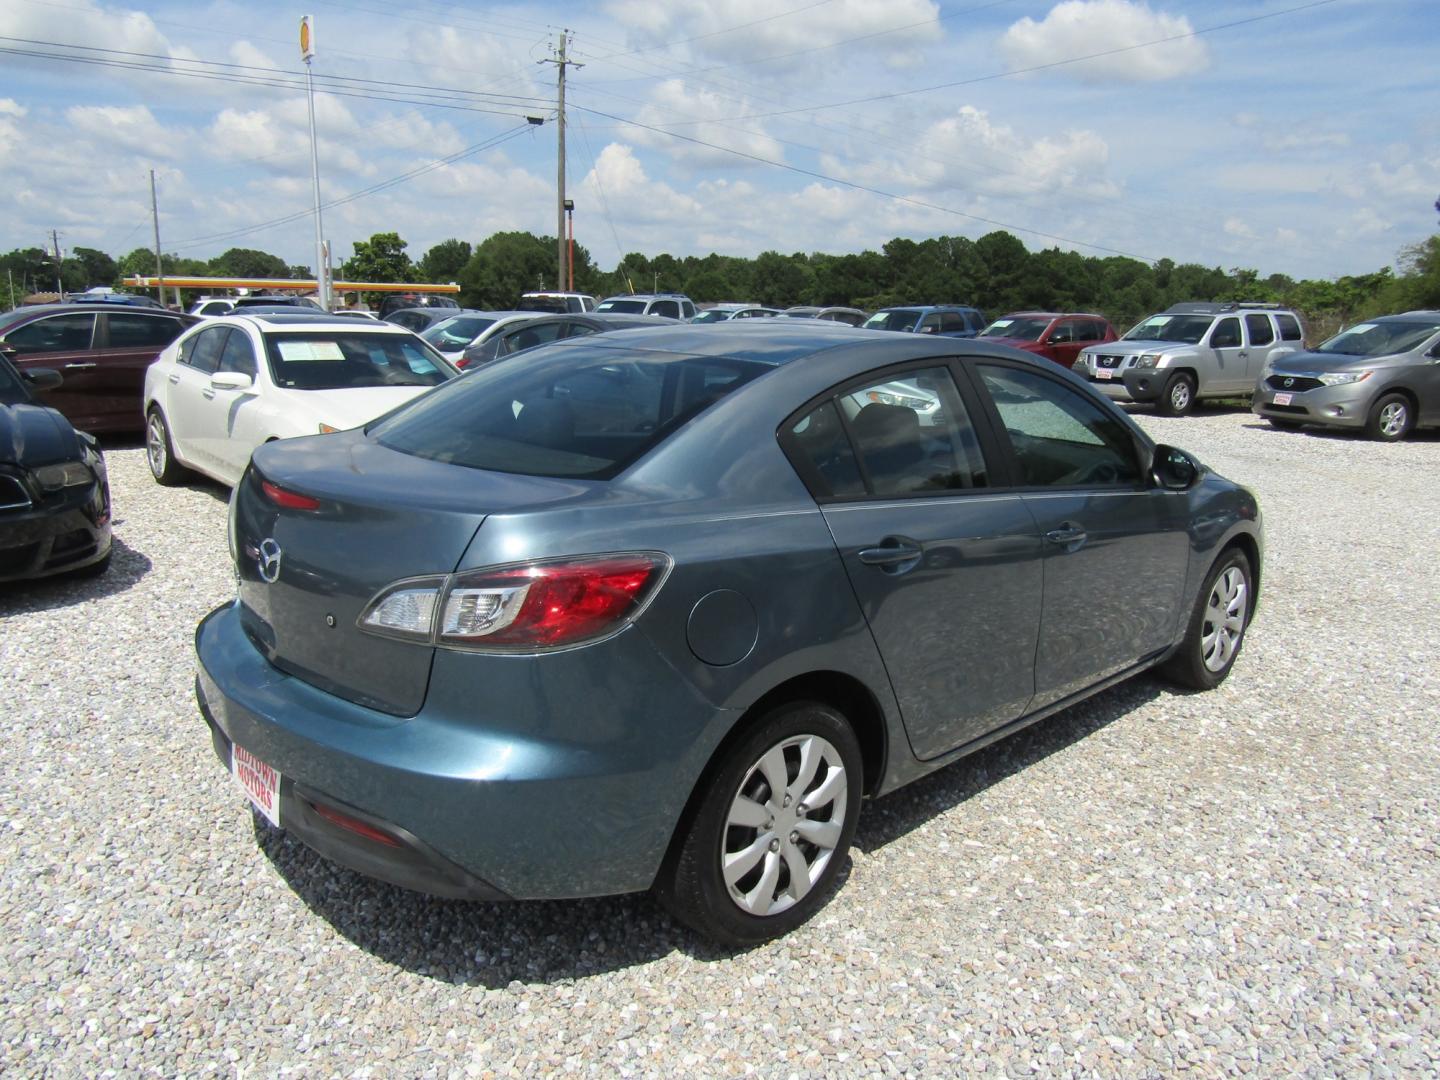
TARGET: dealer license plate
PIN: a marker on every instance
(259, 782)
(1104, 373)
(1284, 399)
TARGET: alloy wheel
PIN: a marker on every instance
(1393, 419)
(155, 448)
(1180, 395)
(1224, 619)
(783, 824)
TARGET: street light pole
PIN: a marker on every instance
(307, 53)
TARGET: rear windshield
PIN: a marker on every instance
(1184, 329)
(1016, 329)
(584, 411)
(626, 307)
(1380, 338)
(903, 319)
(343, 360)
(457, 331)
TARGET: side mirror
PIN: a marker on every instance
(231, 380)
(1174, 470)
(43, 378)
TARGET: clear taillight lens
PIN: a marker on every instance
(548, 604)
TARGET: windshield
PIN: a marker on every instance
(1380, 338)
(901, 319)
(457, 331)
(1185, 329)
(628, 307)
(713, 315)
(583, 411)
(344, 360)
(1016, 329)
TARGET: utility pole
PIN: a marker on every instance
(155, 214)
(307, 53)
(55, 252)
(561, 64)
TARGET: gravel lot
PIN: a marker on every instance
(1150, 883)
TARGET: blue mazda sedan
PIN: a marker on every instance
(658, 609)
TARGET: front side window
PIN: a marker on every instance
(1016, 329)
(58, 333)
(1258, 327)
(300, 361)
(932, 323)
(203, 350)
(668, 308)
(898, 319)
(142, 331)
(531, 336)
(1226, 334)
(238, 355)
(1060, 438)
(585, 411)
(1088, 330)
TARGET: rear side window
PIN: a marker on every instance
(1289, 328)
(141, 331)
(1258, 327)
(586, 411)
(1060, 439)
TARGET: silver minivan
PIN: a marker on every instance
(1382, 376)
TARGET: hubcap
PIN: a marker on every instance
(1180, 394)
(155, 445)
(1392, 419)
(1224, 619)
(783, 824)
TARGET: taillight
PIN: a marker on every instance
(290, 500)
(548, 604)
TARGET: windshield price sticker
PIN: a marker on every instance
(300, 351)
(259, 782)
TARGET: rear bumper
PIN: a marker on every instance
(579, 801)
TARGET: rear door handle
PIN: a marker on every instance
(174, 380)
(1067, 535)
(77, 367)
(892, 551)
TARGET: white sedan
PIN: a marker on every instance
(229, 384)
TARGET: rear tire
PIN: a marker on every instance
(1217, 625)
(159, 452)
(1390, 419)
(761, 850)
(1178, 398)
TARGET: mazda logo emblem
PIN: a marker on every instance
(1289, 382)
(268, 562)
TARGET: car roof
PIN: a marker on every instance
(320, 323)
(110, 306)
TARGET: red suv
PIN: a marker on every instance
(101, 352)
(1055, 336)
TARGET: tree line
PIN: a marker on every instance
(995, 273)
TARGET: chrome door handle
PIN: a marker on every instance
(77, 367)
(174, 380)
(1067, 535)
(891, 552)
(208, 395)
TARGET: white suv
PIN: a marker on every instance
(1192, 351)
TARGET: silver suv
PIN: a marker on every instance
(671, 305)
(1192, 351)
(1382, 376)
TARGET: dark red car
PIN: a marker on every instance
(100, 350)
(1057, 336)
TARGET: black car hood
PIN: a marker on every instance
(32, 435)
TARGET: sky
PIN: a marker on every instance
(1284, 136)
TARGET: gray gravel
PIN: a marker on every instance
(1148, 884)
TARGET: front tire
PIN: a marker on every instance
(760, 853)
(1217, 626)
(1179, 396)
(160, 452)
(1390, 419)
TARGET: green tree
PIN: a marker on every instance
(248, 263)
(504, 266)
(443, 262)
(781, 280)
(381, 258)
(99, 268)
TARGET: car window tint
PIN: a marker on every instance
(238, 355)
(930, 324)
(820, 441)
(1226, 334)
(1289, 328)
(912, 434)
(665, 307)
(1059, 437)
(202, 351)
(952, 322)
(139, 331)
(1087, 330)
(58, 333)
(580, 330)
(584, 411)
(531, 336)
(1259, 329)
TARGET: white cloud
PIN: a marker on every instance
(701, 115)
(132, 129)
(1085, 27)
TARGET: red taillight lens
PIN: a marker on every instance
(354, 825)
(290, 500)
(462, 363)
(547, 605)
